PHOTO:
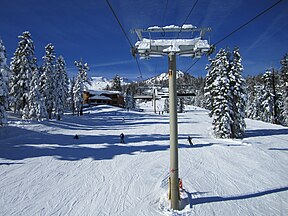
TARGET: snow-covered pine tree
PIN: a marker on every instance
(253, 109)
(62, 83)
(70, 99)
(4, 79)
(220, 91)
(78, 88)
(225, 94)
(212, 74)
(284, 87)
(238, 95)
(35, 108)
(116, 84)
(21, 68)
(48, 83)
(267, 98)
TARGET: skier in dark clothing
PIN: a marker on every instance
(190, 140)
(121, 138)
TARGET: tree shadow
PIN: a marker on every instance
(203, 200)
(31, 144)
(278, 149)
(265, 132)
(8, 164)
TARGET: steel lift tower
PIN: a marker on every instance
(190, 46)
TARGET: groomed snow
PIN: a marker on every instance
(44, 171)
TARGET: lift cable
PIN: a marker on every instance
(240, 27)
(189, 14)
(192, 65)
(245, 24)
(129, 41)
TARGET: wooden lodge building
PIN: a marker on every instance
(94, 98)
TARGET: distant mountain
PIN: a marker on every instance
(100, 83)
(162, 77)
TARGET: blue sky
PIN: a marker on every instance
(87, 29)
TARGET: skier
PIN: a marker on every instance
(190, 141)
(121, 138)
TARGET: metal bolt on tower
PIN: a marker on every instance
(189, 47)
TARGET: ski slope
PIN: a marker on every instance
(45, 171)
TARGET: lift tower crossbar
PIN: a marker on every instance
(192, 47)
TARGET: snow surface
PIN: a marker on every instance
(44, 171)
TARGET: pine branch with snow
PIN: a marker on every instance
(48, 83)
(225, 95)
(21, 68)
(62, 83)
(284, 87)
(4, 79)
(78, 87)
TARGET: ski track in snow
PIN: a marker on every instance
(44, 171)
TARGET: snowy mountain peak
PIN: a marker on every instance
(100, 83)
(163, 77)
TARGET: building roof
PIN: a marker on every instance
(99, 92)
(99, 97)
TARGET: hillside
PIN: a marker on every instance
(45, 171)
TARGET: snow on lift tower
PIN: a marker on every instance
(192, 47)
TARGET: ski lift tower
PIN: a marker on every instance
(193, 47)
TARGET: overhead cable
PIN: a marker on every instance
(129, 41)
(187, 17)
(240, 27)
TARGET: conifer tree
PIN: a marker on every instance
(62, 82)
(253, 103)
(116, 84)
(284, 87)
(35, 108)
(70, 99)
(48, 84)
(267, 97)
(21, 71)
(225, 94)
(212, 74)
(78, 88)
(4, 79)
(238, 95)
(270, 98)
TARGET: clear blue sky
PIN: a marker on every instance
(87, 29)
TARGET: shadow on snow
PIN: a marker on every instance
(30, 144)
(265, 132)
(202, 200)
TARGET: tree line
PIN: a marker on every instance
(38, 92)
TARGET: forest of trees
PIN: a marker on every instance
(38, 92)
(43, 91)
